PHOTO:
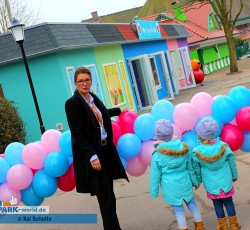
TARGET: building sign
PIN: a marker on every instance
(147, 29)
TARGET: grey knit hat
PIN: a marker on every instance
(207, 128)
(164, 130)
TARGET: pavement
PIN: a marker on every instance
(134, 207)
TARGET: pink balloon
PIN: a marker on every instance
(177, 131)
(6, 194)
(126, 121)
(202, 103)
(145, 155)
(50, 140)
(33, 155)
(135, 166)
(117, 132)
(243, 118)
(185, 116)
(233, 136)
(19, 177)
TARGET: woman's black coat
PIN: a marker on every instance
(86, 141)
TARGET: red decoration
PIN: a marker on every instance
(198, 76)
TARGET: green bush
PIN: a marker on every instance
(11, 124)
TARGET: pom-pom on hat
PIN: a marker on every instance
(164, 130)
(207, 128)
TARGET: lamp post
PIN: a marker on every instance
(17, 30)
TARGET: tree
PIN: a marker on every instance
(224, 10)
(19, 9)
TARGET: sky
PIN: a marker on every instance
(77, 10)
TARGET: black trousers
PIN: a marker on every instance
(107, 201)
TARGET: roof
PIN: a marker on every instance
(52, 37)
(246, 36)
(196, 23)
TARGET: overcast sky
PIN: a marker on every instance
(76, 10)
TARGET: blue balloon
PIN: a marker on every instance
(144, 126)
(220, 124)
(129, 145)
(4, 167)
(190, 137)
(43, 184)
(246, 144)
(13, 153)
(65, 143)
(30, 198)
(163, 109)
(56, 164)
(124, 162)
(224, 109)
(240, 95)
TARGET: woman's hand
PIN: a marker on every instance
(96, 165)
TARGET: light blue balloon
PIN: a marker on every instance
(190, 137)
(4, 167)
(240, 95)
(65, 143)
(56, 164)
(30, 198)
(124, 162)
(129, 145)
(43, 184)
(13, 153)
(144, 126)
(246, 144)
(224, 109)
(163, 109)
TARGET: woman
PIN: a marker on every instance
(96, 161)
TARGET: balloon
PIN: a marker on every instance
(202, 103)
(50, 140)
(2, 155)
(13, 153)
(124, 162)
(136, 167)
(30, 198)
(246, 144)
(185, 116)
(126, 121)
(19, 177)
(198, 76)
(71, 171)
(117, 132)
(243, 118)
(191, 139)
(196, 64)
(240, 95)
(56, 164)
(177, 131)
(6, 194)
(65, 143)
(147, 149)
(128, 145)
(65, 182)
(144, 127)
(43, 184)
(233, 136)
(224, 109)
(163, 109)
(33, 155)
(4, 167)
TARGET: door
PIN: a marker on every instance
(161, 76)
(142, 81)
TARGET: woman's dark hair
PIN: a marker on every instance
(80, 70)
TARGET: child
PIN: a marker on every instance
(172, 170)
(214, 164)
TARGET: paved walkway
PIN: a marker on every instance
(136, 210)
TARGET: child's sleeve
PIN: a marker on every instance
(155, 177)
(191, 171)
(197, 168)
(232, 163)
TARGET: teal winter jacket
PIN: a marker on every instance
(215, 166)
(171, 169)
